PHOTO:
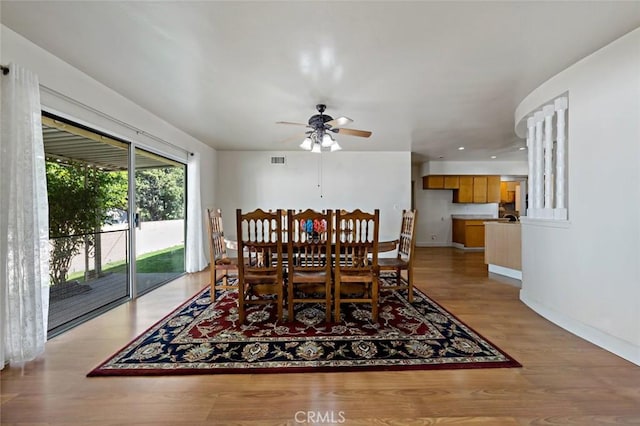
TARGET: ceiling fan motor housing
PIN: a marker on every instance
(317, 121)
(321, 125)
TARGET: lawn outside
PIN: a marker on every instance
(152, 238)
(170, 259)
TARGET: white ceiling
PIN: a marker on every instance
(425, 77)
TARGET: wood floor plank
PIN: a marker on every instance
(564, 380)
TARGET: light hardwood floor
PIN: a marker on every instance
(564, 379)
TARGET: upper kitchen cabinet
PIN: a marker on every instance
(493, 189)
(441, 182)
(478, 189)
(508, 191)
(433, 182)
(451, 182)
(464, 193)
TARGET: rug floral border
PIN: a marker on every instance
(192, 340)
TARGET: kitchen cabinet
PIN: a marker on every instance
(504, 194)
(508, 191)
(467, 188)
(464, 193)
(433, 182)
(493, 189)
(451, 182)
(458, 231)
(479, 189)
(470, 232)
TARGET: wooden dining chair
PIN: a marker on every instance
(309, 259)
(260, 271)
(356, 260)
(219, 261)
(404, 258)
(284, 227)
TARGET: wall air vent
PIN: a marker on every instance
(277, 160)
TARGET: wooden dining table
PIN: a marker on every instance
(383, 246)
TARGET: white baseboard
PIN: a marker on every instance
(613, 344)
(507, 272)
(462, 247)
(447, 244)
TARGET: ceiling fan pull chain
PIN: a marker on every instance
(320, 175)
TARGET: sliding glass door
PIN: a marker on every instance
(159, 220)
(116, 220)
(87, 187)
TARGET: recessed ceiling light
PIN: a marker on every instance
(460, 148)
(493, 157)
(522, 148)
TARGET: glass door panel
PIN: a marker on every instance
(87, 186)
(159, 220)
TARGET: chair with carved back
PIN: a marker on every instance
(284, 227)
(219, 261)
(309, 252)
(404, 258)
(260, 270)
(356, 260)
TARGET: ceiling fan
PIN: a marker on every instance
(321, 128)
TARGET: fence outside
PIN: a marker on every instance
(152, 236)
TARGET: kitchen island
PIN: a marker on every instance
(503, 251)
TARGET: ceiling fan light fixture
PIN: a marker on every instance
(320, 127)
(306, 143)
(327, 140)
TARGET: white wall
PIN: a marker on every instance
(435, 206)
(479, 168)
(337, 180)
(73, 87)
(584, 274)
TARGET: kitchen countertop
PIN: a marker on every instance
(503, 222)
(472, 216)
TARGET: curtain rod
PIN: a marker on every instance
(5, 70)
(113, 119)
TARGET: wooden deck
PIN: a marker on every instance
(104, 290)
(564, 380)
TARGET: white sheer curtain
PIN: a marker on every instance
(195, 258)
(24, 221)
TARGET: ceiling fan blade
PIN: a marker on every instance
(340, 121)
(297, 137)
(354, 132)
(291, 123)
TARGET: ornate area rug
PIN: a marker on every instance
(201, 337)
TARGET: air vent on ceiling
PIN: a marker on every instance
(277, 160)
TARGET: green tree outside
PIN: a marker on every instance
(80, 197)
(160, 193)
